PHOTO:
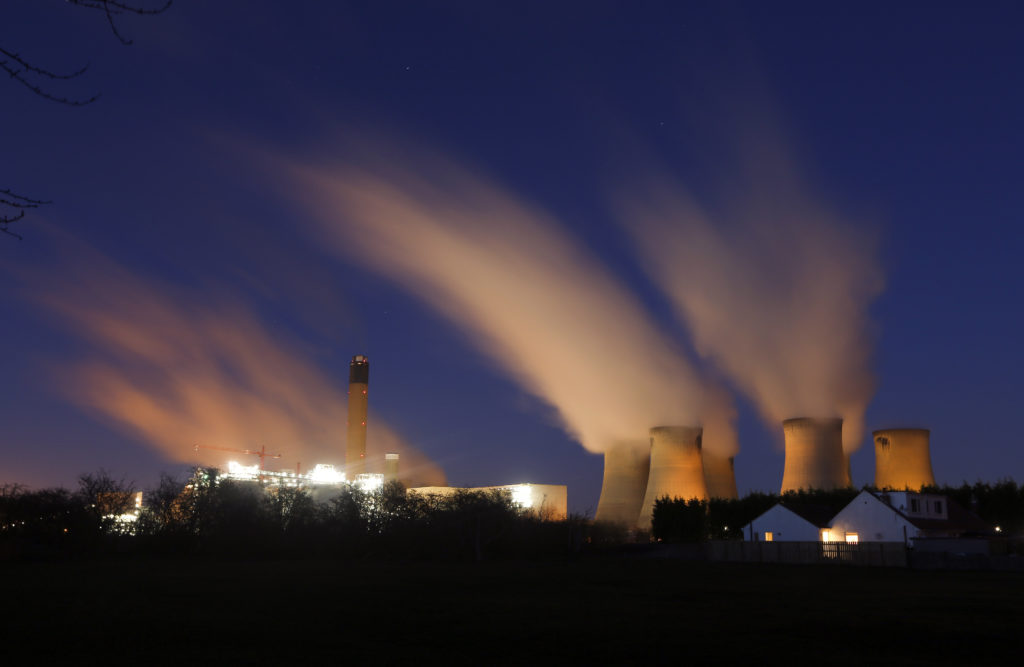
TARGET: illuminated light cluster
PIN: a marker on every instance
(325, 473)
(369, 482)
(522, 496)
(241, 473)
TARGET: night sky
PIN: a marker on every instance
(179, 248)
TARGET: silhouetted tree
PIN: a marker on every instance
(45, 82)
(104, 499)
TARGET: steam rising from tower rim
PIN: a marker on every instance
(513, 281)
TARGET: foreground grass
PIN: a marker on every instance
(596, 610)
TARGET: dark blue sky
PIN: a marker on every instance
(906, 116)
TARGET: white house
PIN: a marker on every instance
(901, 516)
(789, 523)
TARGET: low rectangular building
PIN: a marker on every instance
(548, 501)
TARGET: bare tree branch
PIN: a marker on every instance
(19, 203)
(113, 8)
(34, 77)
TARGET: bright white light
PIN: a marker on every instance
(522, 496)
(239, 472)
(325, 473)
(826, 535)
(369, 482)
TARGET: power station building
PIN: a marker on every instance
(355, 441)
(671, 463)
(626, 467)
(547, 501)
(720, 475)
(903, 459)
(814, 455)
(677, 469)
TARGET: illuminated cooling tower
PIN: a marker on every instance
(355, 443)
(390, 467)
(814, 455)
(625, 478)
(903, 459)
(677, 470)
(719, 476)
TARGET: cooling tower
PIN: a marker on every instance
(355, 443)
(814, 455)
(677, 470)
(625, 478)
(390, 467)
(719, 476)
(903, 459)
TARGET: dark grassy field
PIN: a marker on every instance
(596, 610)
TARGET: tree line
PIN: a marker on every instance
(207, 514)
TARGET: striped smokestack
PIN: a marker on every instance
(355, 442)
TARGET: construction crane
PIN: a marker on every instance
(261, 452)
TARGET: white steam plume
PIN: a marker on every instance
(776, 292)
(505, 272)
(177, 370)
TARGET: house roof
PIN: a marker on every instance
(818, 515)
(957, 519)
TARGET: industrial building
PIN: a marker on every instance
(626, 466)
(677, 469)
(547, 501)
(671, 463)
(903, 459)
(814, 455)
(358, 398)
(720, 475)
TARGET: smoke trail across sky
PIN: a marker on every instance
(506, 273)
(774, 286)
(177, 369)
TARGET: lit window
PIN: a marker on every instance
(852, 538)
(768, 536)
(826, 535)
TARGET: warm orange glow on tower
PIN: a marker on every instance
(814, 455)
(355, 443)
(903, 459)
(719, 476)
(677, 470)
(626, 465)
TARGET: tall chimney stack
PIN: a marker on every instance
(814, 455)
(390, 467)
(355, 443)
(626, 465)
(903, 459)
(677, 470)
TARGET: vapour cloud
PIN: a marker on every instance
(506, 273)
(774, 287)
(177, 369)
